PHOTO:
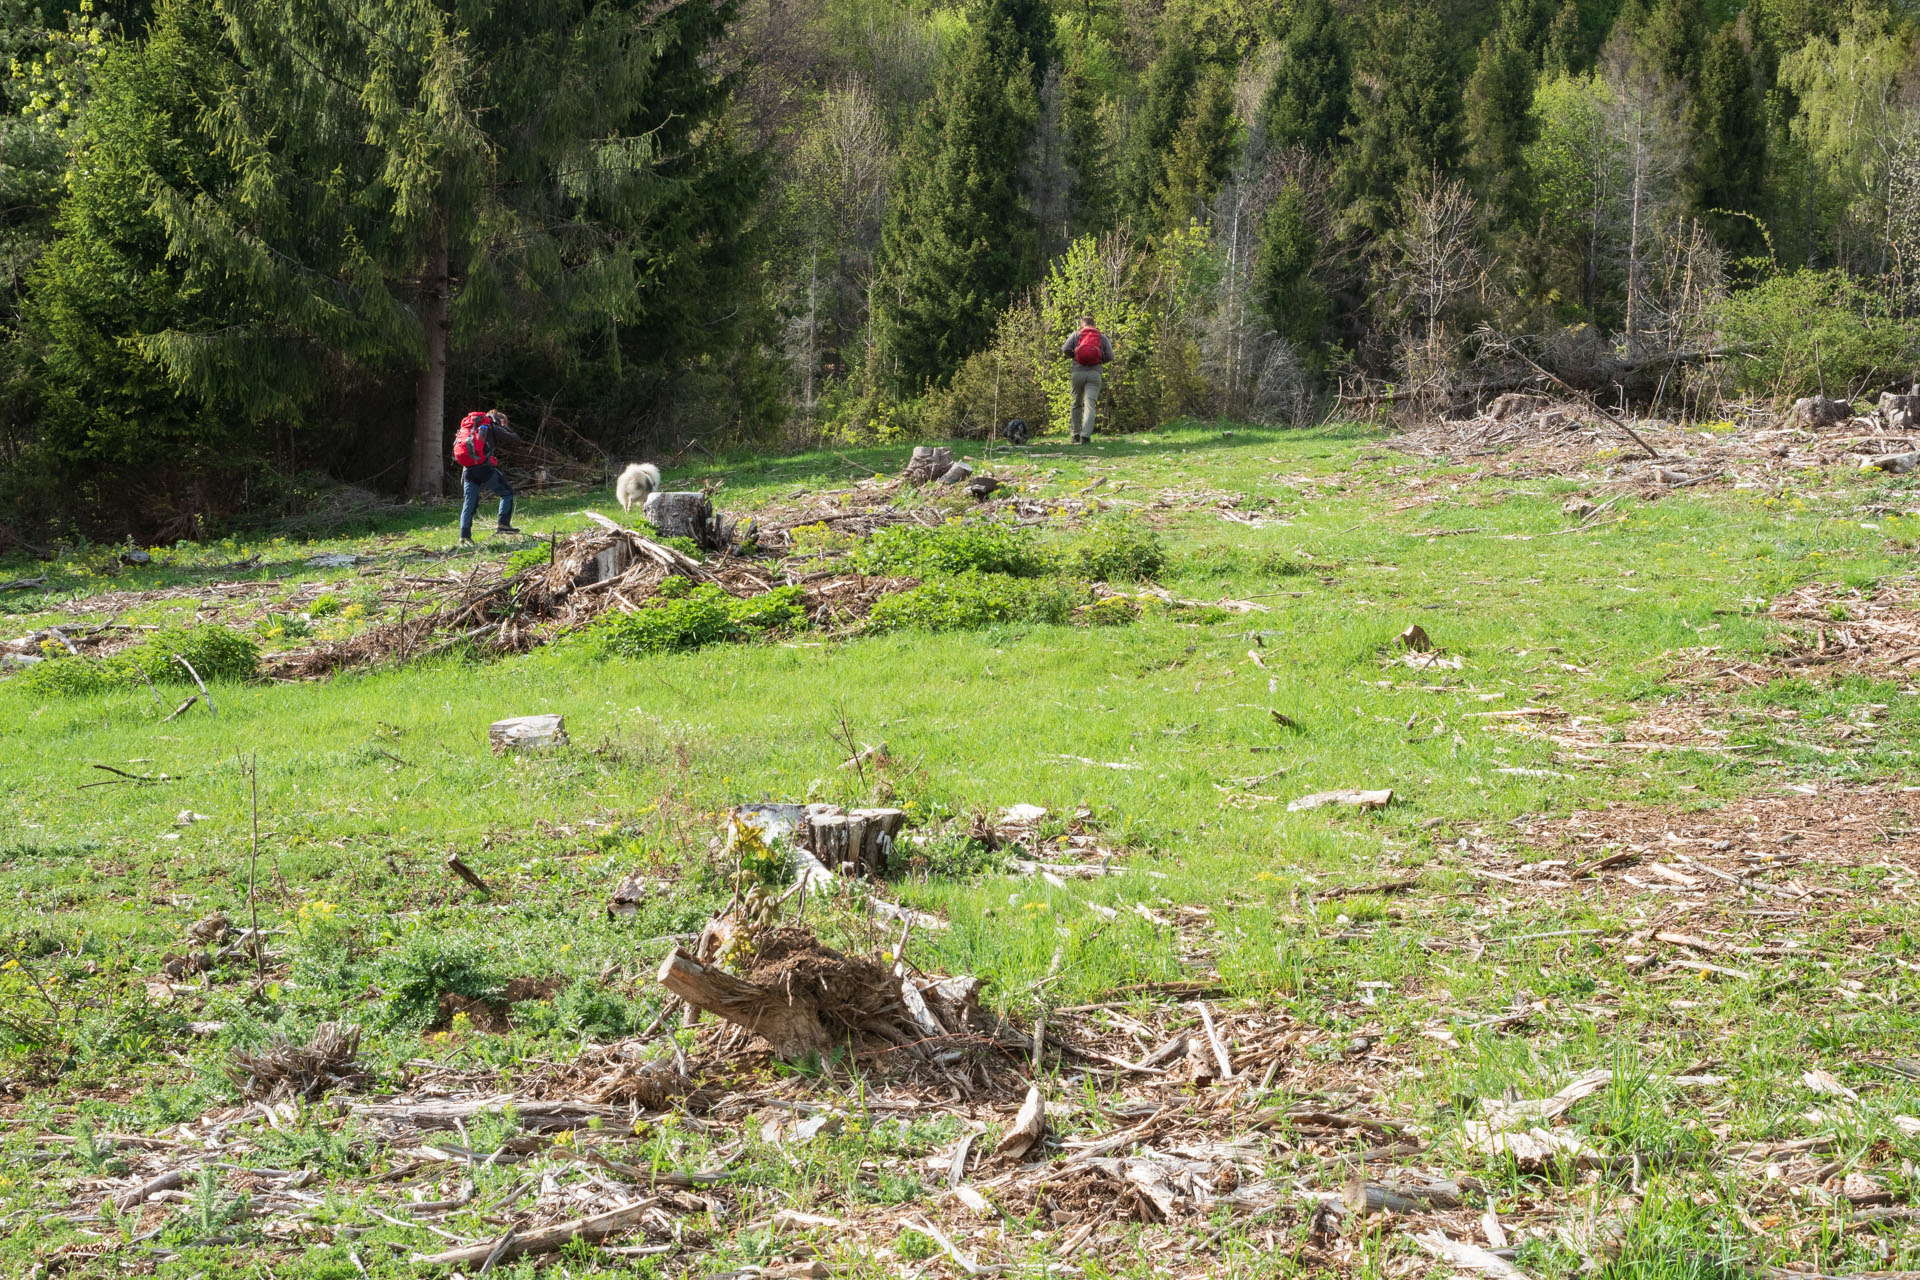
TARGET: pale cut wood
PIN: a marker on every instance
(956, 473)
(527, 733)
(792, 1028)
(1028, 1126)
(543, 1239)
(1470, 1256)
(1349, 799)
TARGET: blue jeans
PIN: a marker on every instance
(472, 481)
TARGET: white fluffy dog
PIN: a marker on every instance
(637, 482)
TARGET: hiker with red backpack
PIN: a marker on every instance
(1088, 348)
(474, 449)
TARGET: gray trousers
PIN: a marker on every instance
(1086, 390)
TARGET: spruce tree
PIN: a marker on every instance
(1091, 194)
(1407, 122)
(1730, 140)
(1026, 29)
(957, 241)
(1566, 51)
(415, 169)
(1284, 284)
(1167, 100)
(1199, 157)
(1499, 105)
(1305, 104)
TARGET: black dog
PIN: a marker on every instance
(1016, 430)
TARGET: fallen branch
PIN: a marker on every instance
(467, 873)
(197, 680)
(542, 1239)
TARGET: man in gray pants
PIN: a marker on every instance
(1089, 349)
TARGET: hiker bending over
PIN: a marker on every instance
(474, 450)
(1088, 349)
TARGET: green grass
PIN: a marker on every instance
(366, 782)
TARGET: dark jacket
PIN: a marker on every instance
(1106, 346)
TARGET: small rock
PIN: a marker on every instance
(187, 817)
(136, 557)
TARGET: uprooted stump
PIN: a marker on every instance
(802, 997)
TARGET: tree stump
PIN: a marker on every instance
(1818, 412)
(862, 839)
(927, 463)
(1902, 412)
(681, 514)
(792, 1027)
(956, 473)
(527, 733)
(611, 563)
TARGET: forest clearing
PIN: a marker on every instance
(1480, 850)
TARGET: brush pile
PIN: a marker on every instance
(292, 1070)
(588, 574)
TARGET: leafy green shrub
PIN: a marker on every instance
(971, 601)
(215, 652)
(1781, 323)
(685, 616)
(1114, 611)
(70, 677)
(537, 556)
(955, 547)
(324, 606)
(581, 1009)
(1114, 549)
(426, 964)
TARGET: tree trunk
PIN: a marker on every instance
(426, 476)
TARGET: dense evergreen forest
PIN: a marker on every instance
(253, 248)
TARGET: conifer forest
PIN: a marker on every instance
(254, 250)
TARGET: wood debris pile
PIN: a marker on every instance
(1537, 437)
(295, 1070)
(607, 568)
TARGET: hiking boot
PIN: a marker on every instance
(506, 528)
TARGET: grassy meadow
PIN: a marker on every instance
(1575, 706)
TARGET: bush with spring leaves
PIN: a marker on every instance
(971, 601)
(953, 548)
(215, 652)
(686, 616)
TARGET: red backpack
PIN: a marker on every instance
(1089, 350)
(470, 444)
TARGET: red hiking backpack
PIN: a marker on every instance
(1090, 349)
(470, 443)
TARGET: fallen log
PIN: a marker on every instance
(927, 463)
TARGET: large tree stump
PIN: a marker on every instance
(862, 839)
(611, 563)
(928, 462)
(681, 514)
(792, 1026)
